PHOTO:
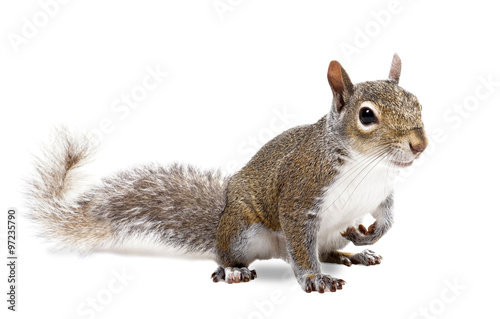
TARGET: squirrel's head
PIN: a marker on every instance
(377, 118)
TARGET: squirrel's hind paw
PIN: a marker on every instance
(366, 257)
(233, 274)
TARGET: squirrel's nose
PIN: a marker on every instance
(417, 141)
(417, 148)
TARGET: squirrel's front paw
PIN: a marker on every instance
(321, 283)
(360, 236)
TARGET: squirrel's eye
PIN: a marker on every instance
(367, 116)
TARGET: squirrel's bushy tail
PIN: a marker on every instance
(173, 206)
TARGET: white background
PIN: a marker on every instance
(228, 78)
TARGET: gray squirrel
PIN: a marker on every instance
(300, 198)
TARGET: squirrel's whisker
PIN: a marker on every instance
(382, 157)
(359, 164)
(363, 166)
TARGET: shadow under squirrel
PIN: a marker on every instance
(300, 198)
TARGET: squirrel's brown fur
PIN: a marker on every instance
(291, 201)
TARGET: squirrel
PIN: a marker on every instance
(300, 198)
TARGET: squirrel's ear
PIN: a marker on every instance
(340, 83)
(395, 69)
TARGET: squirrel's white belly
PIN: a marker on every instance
(358, 189)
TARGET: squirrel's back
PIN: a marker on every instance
(295, 164)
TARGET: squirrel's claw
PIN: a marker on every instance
(218, 274)
(321, 283)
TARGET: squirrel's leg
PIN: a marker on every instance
(366, 257)
(232, 247)
(300, 230)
